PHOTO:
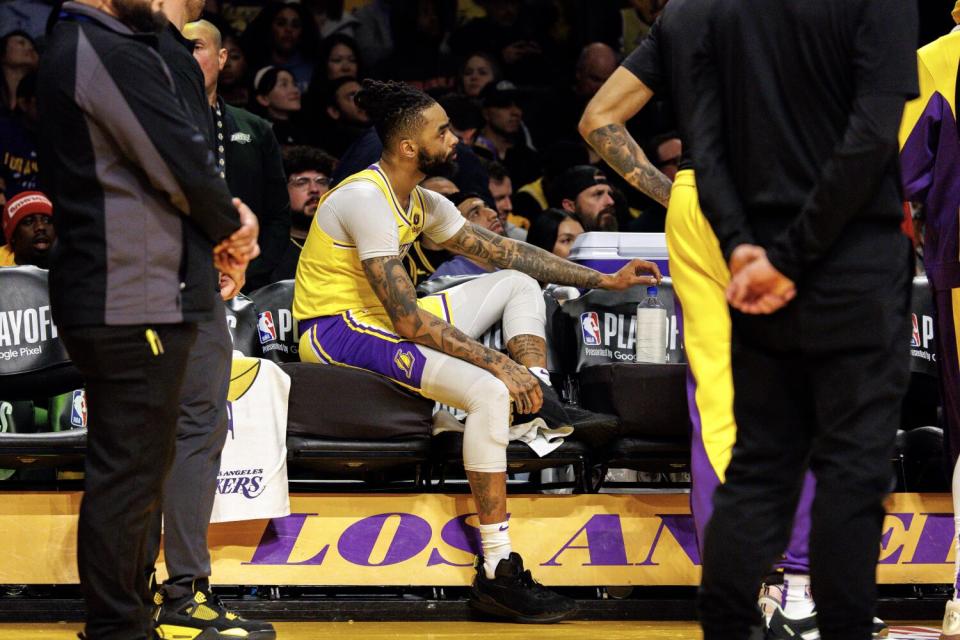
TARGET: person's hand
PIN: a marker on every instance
(523, 385)
(242, 244)
(231, 283)
(759, 288)
(635, 272)
(743, 255)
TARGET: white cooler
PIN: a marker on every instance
(607, 251)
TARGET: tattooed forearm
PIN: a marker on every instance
(528, 350)
(615, 145)
(479, 243)
(392, 285)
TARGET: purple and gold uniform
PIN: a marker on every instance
(930, 162)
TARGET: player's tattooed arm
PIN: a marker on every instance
(493, 250)
(393, 287)
(615, 145)
(603, 126)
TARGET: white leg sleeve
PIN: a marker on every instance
(506, 295)
(483, 396)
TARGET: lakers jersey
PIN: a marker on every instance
(359, 219)
(930, 157)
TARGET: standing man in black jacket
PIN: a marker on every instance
(141, 208)
(795, 150)
(184, 600)
(253, 163)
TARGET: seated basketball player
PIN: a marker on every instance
(357, 307)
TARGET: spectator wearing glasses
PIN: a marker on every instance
(308, 170)
(248, 155)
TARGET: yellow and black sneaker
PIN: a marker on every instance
(203, 617)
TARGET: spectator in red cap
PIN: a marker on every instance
(28, 228)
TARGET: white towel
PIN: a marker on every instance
(535, 433)
(252, 483)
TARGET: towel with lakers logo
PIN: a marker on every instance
(252, 482)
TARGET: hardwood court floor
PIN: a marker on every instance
(457, 630)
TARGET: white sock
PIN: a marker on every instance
(798, 603)
(495, 541)
(541, 373)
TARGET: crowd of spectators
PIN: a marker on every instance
(513, 75)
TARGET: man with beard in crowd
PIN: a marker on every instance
(583, 190)
(308, 171)
(140, 209)
(358, 308)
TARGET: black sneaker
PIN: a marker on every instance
(515, 595)
(203, 617)
(552, 410)
(594, 429)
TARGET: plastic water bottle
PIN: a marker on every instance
(651, 342)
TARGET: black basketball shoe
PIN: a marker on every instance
(594, 429)
(202, 616)
(515, 595)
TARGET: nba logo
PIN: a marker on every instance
(915, 339)
(78, 409)
(590, 326)
(266, 328)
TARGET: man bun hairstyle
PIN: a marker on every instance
(394, 108)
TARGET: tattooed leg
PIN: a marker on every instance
(530, 351)
(490, 493)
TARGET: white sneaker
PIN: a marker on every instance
(951, 621)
